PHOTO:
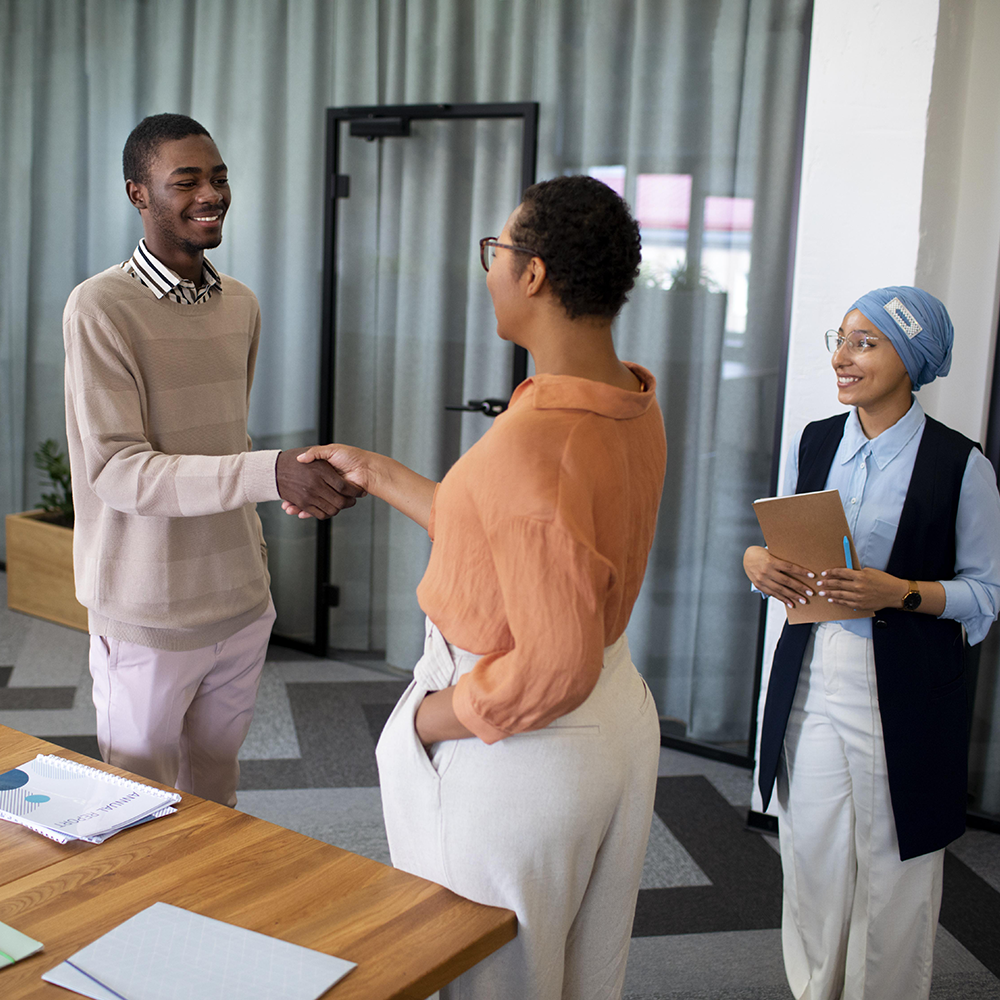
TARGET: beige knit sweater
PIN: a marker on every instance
(168, 549)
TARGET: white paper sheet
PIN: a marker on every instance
(164, 952)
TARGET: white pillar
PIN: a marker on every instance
(870, 74)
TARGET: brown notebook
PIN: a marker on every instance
(809, 529)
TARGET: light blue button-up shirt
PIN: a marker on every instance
(872, 477)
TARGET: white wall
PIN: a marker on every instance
(960, 221)
(900, 186)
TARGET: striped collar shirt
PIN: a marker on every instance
(161, 281)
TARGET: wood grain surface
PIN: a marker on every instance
(408, 936)
(40, 570)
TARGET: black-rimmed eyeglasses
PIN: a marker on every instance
(488, 250)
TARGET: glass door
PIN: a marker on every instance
(410, 352)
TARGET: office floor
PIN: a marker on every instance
(709, 909)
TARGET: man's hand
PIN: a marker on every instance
(368, 471)
(315, 489)
(348, 465)
(786, 581)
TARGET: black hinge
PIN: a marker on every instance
(331, 595)
(341, 186)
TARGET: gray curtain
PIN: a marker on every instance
(704, 88)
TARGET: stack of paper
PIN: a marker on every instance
(164, 952)
(67, 801)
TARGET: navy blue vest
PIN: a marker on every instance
(919, 659)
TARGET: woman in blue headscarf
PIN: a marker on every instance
(865, 728)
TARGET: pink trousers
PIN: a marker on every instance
(179, 718)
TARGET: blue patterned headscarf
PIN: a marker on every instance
(917, 324)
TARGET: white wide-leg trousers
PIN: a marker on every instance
(857, 923)
(552, 824)
(179, 718)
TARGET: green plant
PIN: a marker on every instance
(686, 277)
(58, 502)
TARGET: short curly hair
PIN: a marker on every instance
(585, 234)
(145, 139)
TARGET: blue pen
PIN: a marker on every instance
(847, 553)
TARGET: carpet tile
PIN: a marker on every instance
(742, 874)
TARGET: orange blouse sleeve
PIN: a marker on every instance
(553, 585)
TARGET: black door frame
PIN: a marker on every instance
(379, 122)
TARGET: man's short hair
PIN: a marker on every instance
(146, 138)
(588, 239)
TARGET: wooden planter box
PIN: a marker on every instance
(40, 570)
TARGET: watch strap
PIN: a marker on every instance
(911, 599)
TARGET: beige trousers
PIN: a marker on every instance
(552, 824)
(179, 718)
(857, 923)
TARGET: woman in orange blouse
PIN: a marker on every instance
(519, 767)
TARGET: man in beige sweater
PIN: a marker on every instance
(169, 556)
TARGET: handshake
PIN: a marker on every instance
(310, 486)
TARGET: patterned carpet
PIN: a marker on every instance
(709, 910)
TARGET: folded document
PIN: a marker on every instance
(165, 952)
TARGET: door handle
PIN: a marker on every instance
(491, 407)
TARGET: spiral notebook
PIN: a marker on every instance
(65, 801)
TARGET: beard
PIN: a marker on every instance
(167, 222)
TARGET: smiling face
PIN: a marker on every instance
(184, 202)
(874, 379)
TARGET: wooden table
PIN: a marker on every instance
(408, 936)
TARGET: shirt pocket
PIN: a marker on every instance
(879, 546)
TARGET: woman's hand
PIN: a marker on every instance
(352, 464)
(872, 590)
(789, 583)
(861, 589)
(383, 477)
(436, 719)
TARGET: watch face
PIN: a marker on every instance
(912, 601)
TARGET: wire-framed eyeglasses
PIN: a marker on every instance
(488, 250)
(857, 344)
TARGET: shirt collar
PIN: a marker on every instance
(889, 443)
(568, 392)
(161, 280)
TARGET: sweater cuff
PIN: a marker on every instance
(259, 480)
(461, 704)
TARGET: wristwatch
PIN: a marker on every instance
(911, 599)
